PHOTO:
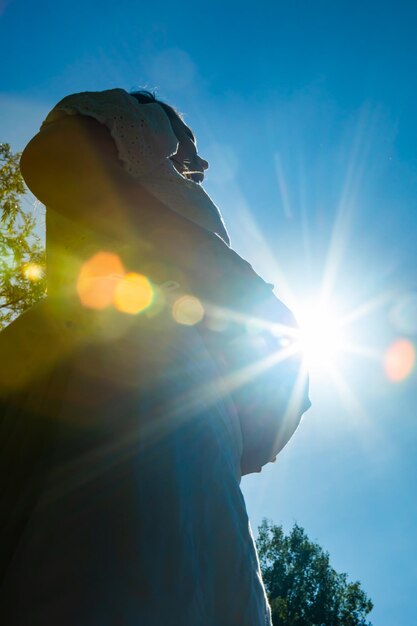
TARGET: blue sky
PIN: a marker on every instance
(306, 112)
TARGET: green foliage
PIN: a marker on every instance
(22, 255)
(302, 587)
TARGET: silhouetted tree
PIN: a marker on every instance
(22, 255)
(302, 587)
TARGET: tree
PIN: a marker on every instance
(302, 587)
(22, 255)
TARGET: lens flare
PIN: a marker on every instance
(399, 360)
(188, 310)
(133, 294)
(98, 278)
(33, 272)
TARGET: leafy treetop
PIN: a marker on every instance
(22, 255)
(302, 587)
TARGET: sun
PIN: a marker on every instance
(322, 338)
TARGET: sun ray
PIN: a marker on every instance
(370, 438)
(255, 246)
(366, 308)
(282, 186)
(247, 373)
(364, 351)
(347, 203)
(256, 323)
(295, 401)
(349, 399)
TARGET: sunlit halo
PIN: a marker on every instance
(33, 272)
(188, 310)
(133, 294)
(98, 278)
(399, 360)
(321, 336)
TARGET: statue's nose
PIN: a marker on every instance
(204, 163)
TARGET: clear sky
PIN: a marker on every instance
(307, 113)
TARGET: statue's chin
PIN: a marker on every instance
(252, 461)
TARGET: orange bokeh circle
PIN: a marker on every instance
(399, 360)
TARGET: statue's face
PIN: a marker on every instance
(187, 160)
